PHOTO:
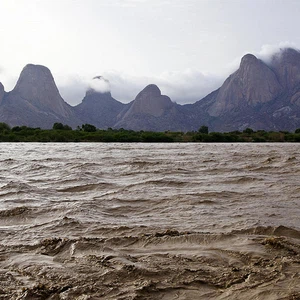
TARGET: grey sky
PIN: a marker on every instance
(186, 47)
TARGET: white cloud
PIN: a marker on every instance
(188, 86)
(267, 51)
(100, 84)
(182, 87)
(72, 88)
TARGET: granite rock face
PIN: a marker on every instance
(151, 102)
(1, 92)
(99, 109)
(252, 84)
(151, 111)
(258, 95)
(286, 65)
(35, 101)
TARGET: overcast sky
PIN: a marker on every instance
(186, 47)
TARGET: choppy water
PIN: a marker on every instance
(62, 194)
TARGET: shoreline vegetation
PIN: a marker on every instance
(89, 133)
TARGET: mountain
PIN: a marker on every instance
(35, 101)
(99, 108)
(258, 95)
(2, 93)
(151, 110)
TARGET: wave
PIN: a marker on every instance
(155, 265)
(86, 187)
(16, 211)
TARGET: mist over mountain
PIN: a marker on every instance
(259, 94)
(98, 107)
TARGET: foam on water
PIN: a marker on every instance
(192, 221)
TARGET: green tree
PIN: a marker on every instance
(4, 128)
(61, 126)
(88, 128)
(58, 126)
(203, 129)
(248, 130)
(297, 130)
(67, 127)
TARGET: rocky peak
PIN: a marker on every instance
(151, 101)
(248, 59)
(36, 85)
(286, 63)
(1, 92)
(98, 107)
(253, 83)
(34, 75)
(150, 90)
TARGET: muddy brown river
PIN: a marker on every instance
(149, 221)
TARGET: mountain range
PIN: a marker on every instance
(259, 95)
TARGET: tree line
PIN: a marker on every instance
(89, 133)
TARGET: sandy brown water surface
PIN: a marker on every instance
(149, 221)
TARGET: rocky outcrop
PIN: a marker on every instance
(151, 111)
(252, 84)
(286, 65)
(258, 95)
(99, 109)
(1, 92)
(151, 102)
(35, 101)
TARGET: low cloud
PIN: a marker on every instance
(267, 51)
(188, 86)
(184, 87)
(72, 88)
(100, 84)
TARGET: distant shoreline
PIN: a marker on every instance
(89, 133)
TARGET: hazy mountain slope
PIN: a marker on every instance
(35, 101)
(258, 95)
(99, 109)
(152, 111)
